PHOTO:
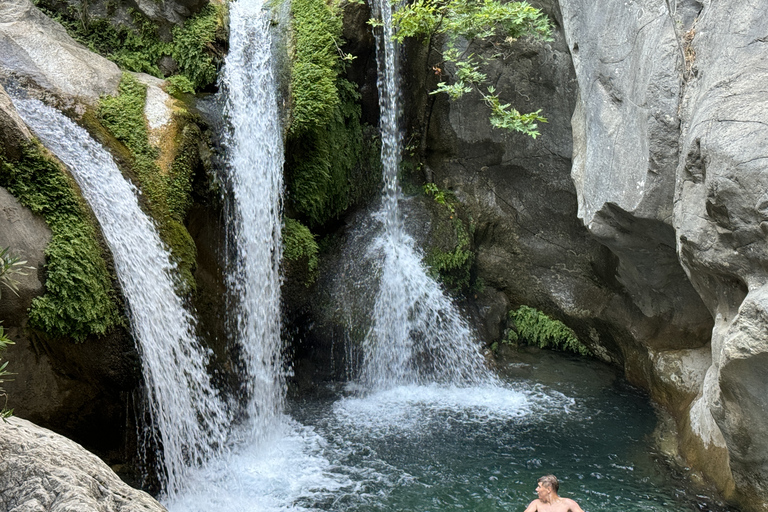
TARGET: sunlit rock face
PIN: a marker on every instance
(37, 52)
(721, 220)
(629, 66)
(669, 165)
(41, 470)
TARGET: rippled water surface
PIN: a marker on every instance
(434, 448)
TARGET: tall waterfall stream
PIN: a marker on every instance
(190, 420)
(425, 426)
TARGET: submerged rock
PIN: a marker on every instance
(43, 471)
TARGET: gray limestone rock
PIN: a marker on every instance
(721, 219)
(628, 61)
(13, 131)
(38, 52)
(41, 471)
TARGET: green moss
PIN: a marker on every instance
(192, 43)
(533, 327)
(451, 257)
(300, 250)
(315, 65)
(79, 300)
(138, 48)
(331, 158)
(166, 193)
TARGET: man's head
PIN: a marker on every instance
(550, 481)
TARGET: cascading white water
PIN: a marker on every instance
(417, 335)
(189, 418)
(255, 181)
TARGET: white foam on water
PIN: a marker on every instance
(276, 472)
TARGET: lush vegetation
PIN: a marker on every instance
(533, 327)
(300, 249)
(138, 48)
(166, 191)
(452, 265)
(79, 298)
(330, 154)
(460, 22)
(332, 159)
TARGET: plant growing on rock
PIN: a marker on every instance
(10, 267)
(4, 342)
(533, 327)
(450, 27)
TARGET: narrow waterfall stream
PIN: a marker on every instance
(255, 178)
(190, 420)
(417, 334)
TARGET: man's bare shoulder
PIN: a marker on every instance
(534, 506)
(570, 505)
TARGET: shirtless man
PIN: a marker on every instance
(548, 500)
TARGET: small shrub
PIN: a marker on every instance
(533, 327)
(453, 266)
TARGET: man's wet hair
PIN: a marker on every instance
(550, 481)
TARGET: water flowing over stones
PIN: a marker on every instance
(416, 333)
(255, 182)
(190, 420)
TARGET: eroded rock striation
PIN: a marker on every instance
(43, 471)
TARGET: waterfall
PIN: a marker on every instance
(417, 335)
(255, 183)
(186, 412)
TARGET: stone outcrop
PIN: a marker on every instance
(37, 52)
(721, 221)
(14, 131)
(43, 471)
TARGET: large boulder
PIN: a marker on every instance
(629, 67)
(38, 52)
(41, 471)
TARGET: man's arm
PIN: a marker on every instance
(533, 507)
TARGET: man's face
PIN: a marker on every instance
(543, 491)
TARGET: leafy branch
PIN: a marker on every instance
(462, 22)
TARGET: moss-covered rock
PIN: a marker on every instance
(162, 161)
(145, 41)
(80, 299)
